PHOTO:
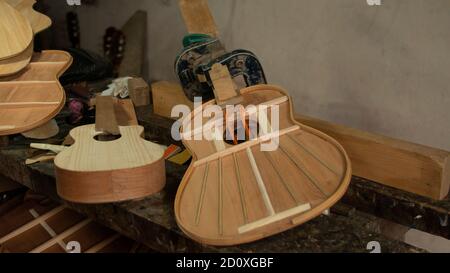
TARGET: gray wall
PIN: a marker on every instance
(382, 69)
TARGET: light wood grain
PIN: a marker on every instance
(13, 65)
(15, 32)
(92, 171)
(36, 90)
(197, 17)
(395, 163)
(38, 21)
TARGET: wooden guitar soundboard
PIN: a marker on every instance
(33, 96)
(25, 18)
(15, 31)
(234, 194)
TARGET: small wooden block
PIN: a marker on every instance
(105, 117)
(139, 92)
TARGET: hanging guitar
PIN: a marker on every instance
(234, 192)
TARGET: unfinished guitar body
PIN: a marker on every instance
(234, 194)
(34, 96)
(93, 171)
(16, 33)
(39, 22)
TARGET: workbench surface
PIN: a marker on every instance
(151, 220)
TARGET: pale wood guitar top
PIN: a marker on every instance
(90, 155)
(13, 65)
(38, 21)
(16, 33)
(33, 96)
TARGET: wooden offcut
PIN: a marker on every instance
(197, 17)
(403, 165)
(105, 115)
(139, 92)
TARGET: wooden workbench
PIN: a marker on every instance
(151, 221)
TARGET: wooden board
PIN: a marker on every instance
(197, 17)
(403, 165)
(15, 32)
(234, 194)
(34, 96)
(38, 21)
(92, 171)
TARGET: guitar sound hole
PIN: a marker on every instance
(106, 137)
(241, 133)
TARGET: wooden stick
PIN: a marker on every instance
(259, 180)
(241, 189)
(49, 230)
(103, 244)
(48, 147)
(275, 218)
(31, 224)
(26, 82)
(17, 105)
(202, 195)
(247, 144)
(61, 236)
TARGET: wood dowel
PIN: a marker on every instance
(259, 180)
(241, 189)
